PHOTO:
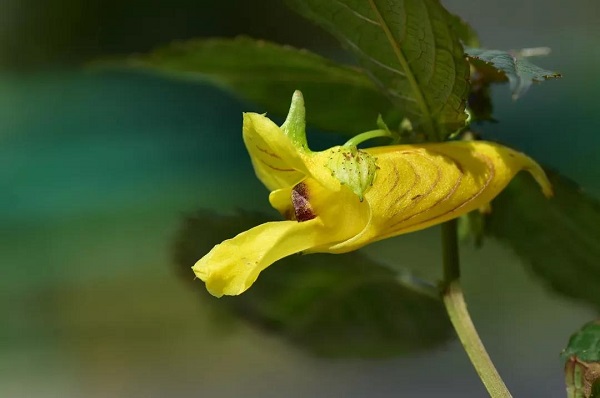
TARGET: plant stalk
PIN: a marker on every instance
(456, 307)
(354, 141)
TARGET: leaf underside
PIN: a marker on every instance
(557, 237)
(410, 48)
(340, 98)
(500, 66)
(343, 305)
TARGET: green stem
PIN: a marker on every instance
(451, 260)
(461, 320)
(357, 139)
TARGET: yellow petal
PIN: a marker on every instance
(341, 211)
(232, 266)
(281, 200)
(276, 160)
(280, 155)
(418, 186)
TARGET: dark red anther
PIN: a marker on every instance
(302, 207)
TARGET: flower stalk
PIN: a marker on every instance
(456, 307)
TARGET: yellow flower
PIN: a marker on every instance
(343, 198)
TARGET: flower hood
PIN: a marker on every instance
(343, 198)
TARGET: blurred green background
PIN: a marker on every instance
(99, 170)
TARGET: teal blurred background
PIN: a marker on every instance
(98, 171)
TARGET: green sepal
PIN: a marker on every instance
(295, 123)
(352, 167)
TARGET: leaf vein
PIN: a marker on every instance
(357, 14)
(403, 62)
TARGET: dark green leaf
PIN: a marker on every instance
(584, 344)
(480, 102)
(595, 389)
(339, 98)
(582, 362)
(471, 228)
(410, 49)
(501, 66)
(558, 237)
(333, 305)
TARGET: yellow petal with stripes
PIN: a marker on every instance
(418, 186)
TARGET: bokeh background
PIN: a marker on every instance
(99, 170)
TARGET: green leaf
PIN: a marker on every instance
(557, 237)
(341, 98)
(410, 49)
(471, 228)
(501, 66)
(480, 102)
(595, 389)
(584, 344)
(331, 305)
(582, 362)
